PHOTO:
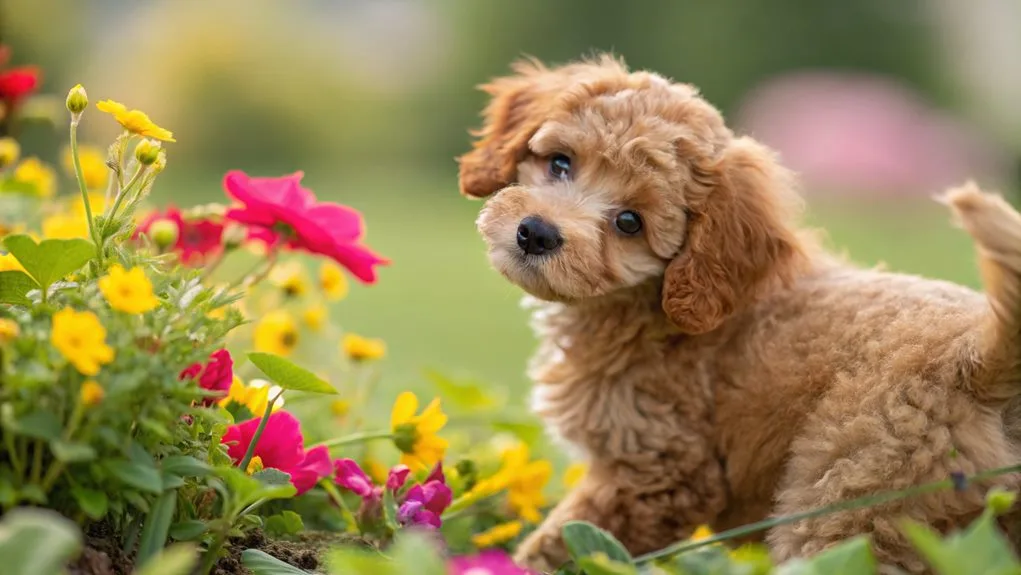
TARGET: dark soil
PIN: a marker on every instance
(103, 554)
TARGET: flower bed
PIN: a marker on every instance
(132, 441)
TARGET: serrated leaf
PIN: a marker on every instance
(136, 475)
(584, 539)
(50, 260)
(288, 375)
(37, 424)
(14, 287)
(37, 541)
(178, 559)
(157, 526)
(93, 503)
(72, 452)
(262, 563)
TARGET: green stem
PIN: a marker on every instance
(849, 505)
(19, 466)
(57, 467)
(209, 557)
(258, 432)
(355, 438)
(335, 496)
(121, 194)
(80, 176)
(37, 462)
(465, 503)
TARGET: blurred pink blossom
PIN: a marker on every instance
(864, 134)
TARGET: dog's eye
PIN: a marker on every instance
(560, 167)
(628, 222)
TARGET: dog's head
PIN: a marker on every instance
(605, 179)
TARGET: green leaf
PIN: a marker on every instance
(288, 375)
(285, 523)
(179, 559)
(468, 395)
(245, 489)
(981, 548)
(50, 260)
(851, 557)
(38, 424)
(185, 466)
(600, 564)
(390, 509)
(188, 530)
(14, 285)
(528, 431)
(37, 542)
(711, 560)
(274, 477)
(584, 539)
(71, 452)
(135, 474)
(414, 552)
(157, 526)
(261, 563)
(92, 502)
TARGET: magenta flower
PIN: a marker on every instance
(489, 562)
(280, 210)
(281, 447)
(350, 476)
(197, 239)
(424, 504)
(216, 375)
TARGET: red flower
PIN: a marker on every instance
(281, 210)
(196, 238)
(281, 446)
(16, 83)
(216, 375)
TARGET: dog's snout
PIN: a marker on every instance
(536, 236)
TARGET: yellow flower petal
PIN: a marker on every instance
(432, 419)
(404, 409)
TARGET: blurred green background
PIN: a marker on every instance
(880, 104)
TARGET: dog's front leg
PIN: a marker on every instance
(645, 511)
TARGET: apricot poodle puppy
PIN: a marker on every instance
(708, 357)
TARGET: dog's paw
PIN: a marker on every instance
(541, 552)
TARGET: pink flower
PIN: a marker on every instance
(350, 476)
(281, 447)
(424, 504)
(216, 375)
(489, 562)
(280, 210)
(196, 238)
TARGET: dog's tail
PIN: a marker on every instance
(994, 367)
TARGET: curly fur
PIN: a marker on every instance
(719, 366)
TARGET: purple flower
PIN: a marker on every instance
(490, 562)
(424, 504)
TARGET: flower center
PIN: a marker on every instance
(289, 339)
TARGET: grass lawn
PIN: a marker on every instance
(439, 305)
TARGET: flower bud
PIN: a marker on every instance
(164, 232)
(147, 152)
(233, 236)
(77, 100)
(1000, 500)
(10, 151)
(9, 330)
(161, 162)
(91, 393)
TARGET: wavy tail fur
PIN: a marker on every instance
(995, 365)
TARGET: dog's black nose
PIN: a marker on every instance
(536, 236)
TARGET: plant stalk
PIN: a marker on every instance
(243, 465)
(355, 438)
(80, 176)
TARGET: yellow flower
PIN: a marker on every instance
(10, 263)
(314, 317)
(128, 291)
(254, 396)
(135, 121)
(340, 407)
(65, 226)
(332, 281)
(290, 279)
(574, 473)
(8, 330)
(524, 481)
(498, 534)
(81, 339)
(360, 348)
(375, 469)
(94, 168)
(33, 172)
(701, 533)
(255, 465)
(10, 151)
(91, 393)
(415, 435)
(276, 333)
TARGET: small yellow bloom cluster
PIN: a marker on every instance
(81, 339)
(415, 435)
(37, 175)
(360, 348)
(498, 534)
(332, 281)
(276, 333)
(524, 481)
(254, 396)
(91, 393)
(128, 291)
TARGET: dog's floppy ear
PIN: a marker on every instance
(519, 105)
(738, 241)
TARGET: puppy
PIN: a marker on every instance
(708, 357)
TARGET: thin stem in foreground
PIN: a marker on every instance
(849, 505)
(243, 465)
(360, 437)
(80, 176)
